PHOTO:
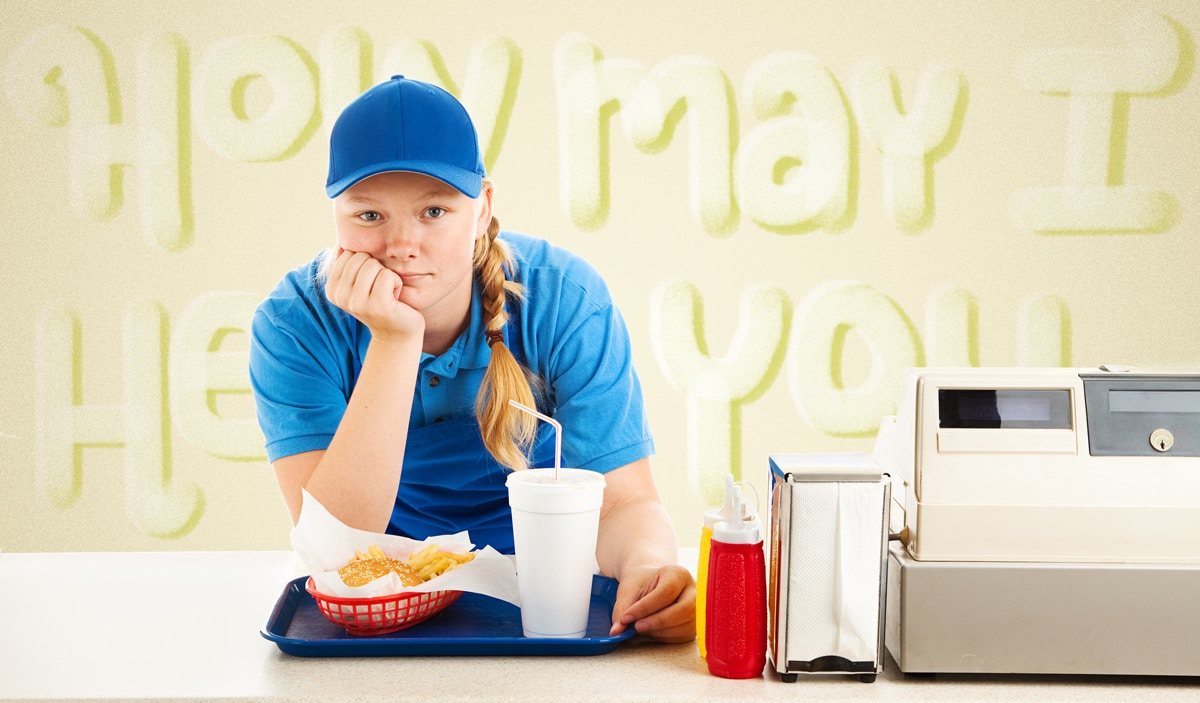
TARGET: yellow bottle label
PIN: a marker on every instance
(702, 586)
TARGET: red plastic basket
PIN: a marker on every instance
(383, 614)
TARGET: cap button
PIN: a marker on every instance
(398, 77)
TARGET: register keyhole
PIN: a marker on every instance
(1161, 440)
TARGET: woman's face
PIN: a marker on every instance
(421, 228)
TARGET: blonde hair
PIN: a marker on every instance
(507, 432)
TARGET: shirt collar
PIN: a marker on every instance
(470, 350)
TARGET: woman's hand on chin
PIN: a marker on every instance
(362, 286)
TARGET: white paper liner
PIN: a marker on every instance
(325, 544)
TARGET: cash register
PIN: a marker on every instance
(1045, 520)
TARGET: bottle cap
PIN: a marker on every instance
(737, 530)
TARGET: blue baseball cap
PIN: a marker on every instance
(405, 125)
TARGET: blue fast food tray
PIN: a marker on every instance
(474, 625)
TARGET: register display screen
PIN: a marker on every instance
(1142, 401)
(972, 408)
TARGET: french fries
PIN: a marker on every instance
(430, 562)
(373, 552)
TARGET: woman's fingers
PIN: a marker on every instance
(362, 286)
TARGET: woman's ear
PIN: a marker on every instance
(485, 210)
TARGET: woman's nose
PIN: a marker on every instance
(401, 241)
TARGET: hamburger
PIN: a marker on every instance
(363, 571)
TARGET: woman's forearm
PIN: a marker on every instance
(636, 535)
(357, 477)
(635, 529)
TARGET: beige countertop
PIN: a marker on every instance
(186, 626)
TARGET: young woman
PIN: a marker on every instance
(382, 370)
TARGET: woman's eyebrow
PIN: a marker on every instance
(436, 193)
(359, 198)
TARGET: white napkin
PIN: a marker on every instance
(836, 568)
(325, 544)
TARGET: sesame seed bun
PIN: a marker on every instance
(364, 571)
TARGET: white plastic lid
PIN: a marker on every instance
(737, 530)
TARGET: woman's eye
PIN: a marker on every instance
(370, 216)
(434, 212)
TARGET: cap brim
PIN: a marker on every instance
(469, 183)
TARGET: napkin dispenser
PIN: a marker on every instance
(1048, 465)
(827, 564)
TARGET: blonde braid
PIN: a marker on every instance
(507, 432)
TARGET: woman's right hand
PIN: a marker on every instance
(362, 286)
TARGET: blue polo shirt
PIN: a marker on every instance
(305, 355)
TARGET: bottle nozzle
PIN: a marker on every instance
(725, 512)
(737, 529)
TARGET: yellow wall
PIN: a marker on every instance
(793, 202)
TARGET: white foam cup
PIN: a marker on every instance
(554, 532)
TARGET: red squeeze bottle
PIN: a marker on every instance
(735, 632)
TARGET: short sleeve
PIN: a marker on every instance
(584, 354)
(302, 366)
